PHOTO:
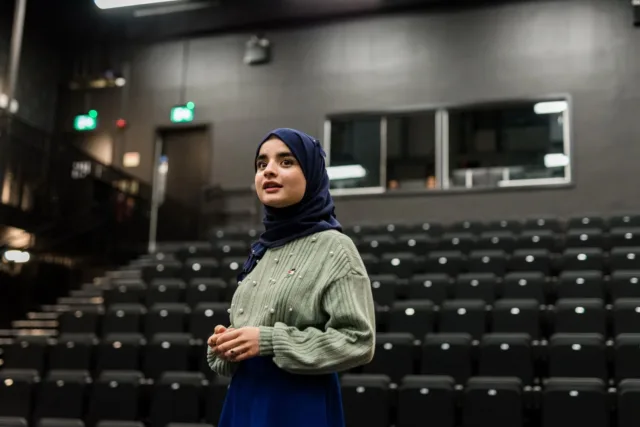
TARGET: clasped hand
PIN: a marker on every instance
(235, 345)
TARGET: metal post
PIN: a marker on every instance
(444, 148)
(438, 151)
(155, 196)
(383, 152)
(327, 141)
(566, 142)
(16, 49)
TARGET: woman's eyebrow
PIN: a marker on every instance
(280, 155)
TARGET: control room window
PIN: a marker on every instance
(411, 151)
(355, 153)
(508, 144)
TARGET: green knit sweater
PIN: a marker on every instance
(312, 301)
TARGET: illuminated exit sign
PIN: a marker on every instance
(85, 122)
(183, 113)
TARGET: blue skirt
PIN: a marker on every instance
(263, 395)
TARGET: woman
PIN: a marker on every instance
(303, 310)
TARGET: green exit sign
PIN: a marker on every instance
(85, 122)
(183, 113)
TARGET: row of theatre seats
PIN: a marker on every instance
(398, 355)
(464, 237)
(586, 279)
(476, 227)
(540, 329)
(418, 317)
(465, 242)
(405, 264)
(74, 400)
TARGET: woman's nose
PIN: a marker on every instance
(269, 169)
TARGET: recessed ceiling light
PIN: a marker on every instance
(112, 4)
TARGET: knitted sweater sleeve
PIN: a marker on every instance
(347, 341)
(224, 368)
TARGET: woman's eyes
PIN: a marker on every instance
(285, 163)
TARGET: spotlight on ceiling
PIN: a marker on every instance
(112, 4)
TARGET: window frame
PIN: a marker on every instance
(379, 189)
(441, 160)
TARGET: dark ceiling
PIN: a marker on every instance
(82, 19)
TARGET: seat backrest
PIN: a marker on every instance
(447, 354)
(506, 355)
(393, 356)
(176, 398)
(367, 400)
(16, 392)
(582, 401)
(422, 396)
(578, 356)
(628, 403)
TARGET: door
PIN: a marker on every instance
(188, 156)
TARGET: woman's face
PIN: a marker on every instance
(279, 179)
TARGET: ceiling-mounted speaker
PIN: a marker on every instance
(636, 12)
(257, 51)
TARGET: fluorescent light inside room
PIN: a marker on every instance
(346, 172)
(556, 160)
(551, 107)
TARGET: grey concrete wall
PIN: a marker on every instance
(587, 48)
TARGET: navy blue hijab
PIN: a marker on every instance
(314, 213)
